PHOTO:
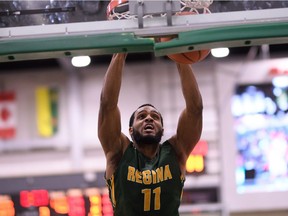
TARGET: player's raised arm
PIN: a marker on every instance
(109, 123)
(189, 127)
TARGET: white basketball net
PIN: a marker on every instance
(196, 5)
(123, 15)
(186, 5)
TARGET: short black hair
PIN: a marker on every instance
(133, 114)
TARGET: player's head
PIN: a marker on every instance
(133, 114)
(146, 125)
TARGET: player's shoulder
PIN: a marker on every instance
(167, 146)
(166, 143)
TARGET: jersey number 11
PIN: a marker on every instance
(148, 196)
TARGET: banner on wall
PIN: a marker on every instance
(47, 110)
(7, 115)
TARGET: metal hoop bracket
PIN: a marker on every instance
(142, 9)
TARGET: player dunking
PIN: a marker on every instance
(143, 176)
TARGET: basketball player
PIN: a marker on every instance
(144, 177)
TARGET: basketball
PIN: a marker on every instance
(187, 57)
(190, 57)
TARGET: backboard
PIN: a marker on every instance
(61, 28)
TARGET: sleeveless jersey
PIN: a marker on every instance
(143, 187)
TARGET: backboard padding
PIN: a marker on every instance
(193, 32)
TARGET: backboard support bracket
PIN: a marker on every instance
(142, 8)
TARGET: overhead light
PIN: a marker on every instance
(220, 52)
(80, 61)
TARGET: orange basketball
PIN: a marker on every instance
(187, 57)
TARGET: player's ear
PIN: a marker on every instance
(130, 131)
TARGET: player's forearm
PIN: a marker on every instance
(112, 81)
(109, 125)
(190, 88)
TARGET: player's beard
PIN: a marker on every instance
(148, 139)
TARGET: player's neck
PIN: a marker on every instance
(149, 151)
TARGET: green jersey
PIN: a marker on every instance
(144, 187)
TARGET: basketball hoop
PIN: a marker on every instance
(118, 9)
(195, 5)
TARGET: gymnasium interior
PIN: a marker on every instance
(52, 163)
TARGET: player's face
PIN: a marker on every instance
(147, 127)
